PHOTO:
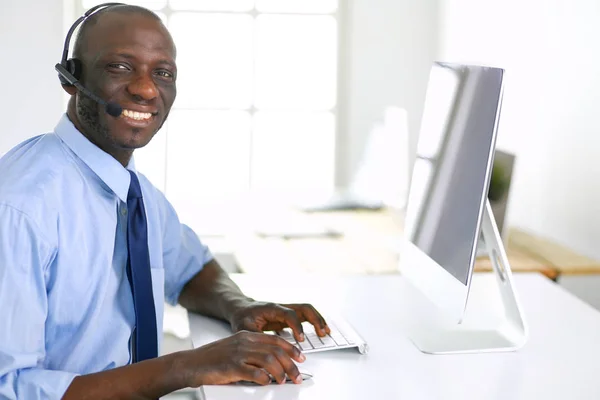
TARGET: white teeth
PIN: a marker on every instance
(140, 116)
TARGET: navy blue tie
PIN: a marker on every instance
(145, 341)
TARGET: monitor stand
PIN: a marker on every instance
(493, 320)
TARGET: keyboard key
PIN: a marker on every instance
(328, 341)
(320, 343)
(313, 341)
(305, 345)
(338, 338)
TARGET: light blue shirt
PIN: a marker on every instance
(65, 303)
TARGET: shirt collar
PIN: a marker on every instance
(105, 166)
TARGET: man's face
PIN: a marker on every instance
(130, 60)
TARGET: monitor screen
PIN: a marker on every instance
(451, 171)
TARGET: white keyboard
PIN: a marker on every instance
(342, 336)
(206, 330)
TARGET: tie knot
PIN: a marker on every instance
(135, 191)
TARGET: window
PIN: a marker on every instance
(256, 102)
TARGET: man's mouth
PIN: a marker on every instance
(136, 115)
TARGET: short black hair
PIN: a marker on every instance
(80, 41)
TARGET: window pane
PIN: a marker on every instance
(151, 4)
(214, 57)
(207, 160)
(151, 159)
(212, 5)
(296, 62)
(293, 151)
(298, 6)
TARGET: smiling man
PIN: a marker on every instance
(90, 250)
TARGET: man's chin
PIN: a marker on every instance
(129, 138)
(133, 143)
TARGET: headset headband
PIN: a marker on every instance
(88, 13)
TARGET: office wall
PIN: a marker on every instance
(550, 118)
(31, 35)
(390, 47)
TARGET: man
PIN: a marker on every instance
(68, 296)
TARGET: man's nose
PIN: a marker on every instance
(143, 87)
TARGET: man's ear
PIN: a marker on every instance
(70, 89)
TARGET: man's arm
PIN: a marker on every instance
(244, 356)
(194, 279)
(148, 379)
(25, 254)
(212, 292)
(24, 257)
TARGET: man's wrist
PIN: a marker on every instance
(182, 369)
(234, 305)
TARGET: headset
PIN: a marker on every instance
(70, 69)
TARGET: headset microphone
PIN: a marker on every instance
(111, 108)
(69, 69)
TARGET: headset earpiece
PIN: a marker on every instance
(75, 68)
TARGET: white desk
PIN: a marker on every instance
(560, 360)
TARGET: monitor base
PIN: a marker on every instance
(493, 320)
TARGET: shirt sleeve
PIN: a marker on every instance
(183, 253)
(24, 257)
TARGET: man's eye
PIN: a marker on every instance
(164, 74)
(119, 66)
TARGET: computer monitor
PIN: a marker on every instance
(448, 211)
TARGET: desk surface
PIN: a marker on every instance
(559, 361)
(368, 244)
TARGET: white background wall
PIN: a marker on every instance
(391, 46)
(31, 39)
(551, 52)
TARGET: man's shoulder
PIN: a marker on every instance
(30, 172)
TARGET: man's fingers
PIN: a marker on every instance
(276, 362)
(291, 350)
(310, 314)
(253, 373)
(290, 318)
(291, 370)
(315, 318)
(263, 358)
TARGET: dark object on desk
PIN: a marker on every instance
(500, 183)
(291, 233)
(291, 226)
(341, 201)
(498, 194)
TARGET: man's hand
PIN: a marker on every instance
(245, 356)
(259, 317)
(212, 292)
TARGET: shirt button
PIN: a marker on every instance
(124, 211)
